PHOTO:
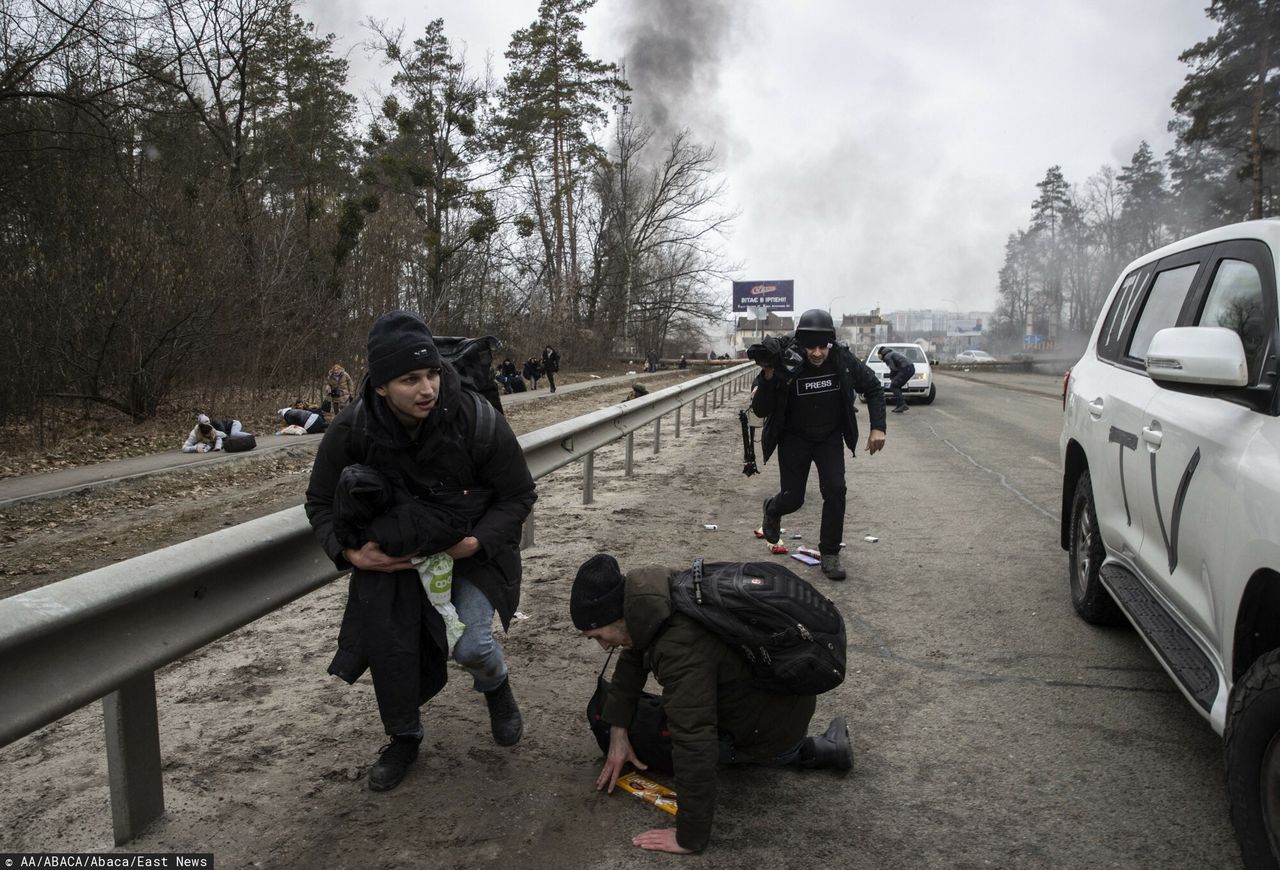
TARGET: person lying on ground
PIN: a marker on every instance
(311, 422)
(209, 433)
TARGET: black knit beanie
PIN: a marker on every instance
(400, 342)
(596, 598)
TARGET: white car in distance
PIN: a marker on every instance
(921, 384)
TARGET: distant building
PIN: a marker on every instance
(948, 331)
(864, 331)
(748, 331)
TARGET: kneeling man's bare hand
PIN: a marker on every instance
(660, 840)
(620, 755)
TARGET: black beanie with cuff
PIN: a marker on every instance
(399, 342)
(598, 592)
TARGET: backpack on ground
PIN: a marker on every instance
(791, 635)
(472, 358)
(239, 443)
(649, 736)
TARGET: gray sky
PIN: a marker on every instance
(880, 153)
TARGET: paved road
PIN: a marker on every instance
(18, 489)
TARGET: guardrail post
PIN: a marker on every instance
(705, 396)
(630, 454)
(588, 478)
(677, 421)
(133, 756)
(693, 413)
(526, 531)
(657, 435)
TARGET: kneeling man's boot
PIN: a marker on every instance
(504, 716)
(830, 749)
(393, 763)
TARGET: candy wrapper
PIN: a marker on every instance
(649, 791)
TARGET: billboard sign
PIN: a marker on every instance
(771, 295)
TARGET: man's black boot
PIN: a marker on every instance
(829, 750)
(393, 763)
(771, 526)
(504, 716)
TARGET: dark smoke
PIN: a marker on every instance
(673, 53)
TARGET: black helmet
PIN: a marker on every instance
(816, 326)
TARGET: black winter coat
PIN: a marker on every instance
(898, 363)
(770, 397)
(443, 462)
(301, 417)
(388, 622)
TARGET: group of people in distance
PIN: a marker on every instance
(533, 370)
(337, 391)
(420, 490)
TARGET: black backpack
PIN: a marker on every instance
(239, 443)
(791, 635)
(472, 358)
(648, 733)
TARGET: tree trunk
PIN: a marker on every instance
(1255, 126)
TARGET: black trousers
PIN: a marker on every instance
(551, 380)
(900, 379)
(795, 454)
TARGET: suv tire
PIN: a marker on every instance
(1252, 754)
(928, 399)
(1085, 554)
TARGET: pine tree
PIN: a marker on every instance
(1142, 219)
(1231, 99)
(554, 96)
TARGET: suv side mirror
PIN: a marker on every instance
(1198, 355)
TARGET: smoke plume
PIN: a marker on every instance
(673, 51)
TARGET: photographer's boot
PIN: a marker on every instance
(505, 720)
(829, 750)
(831, 567)
(771, 526)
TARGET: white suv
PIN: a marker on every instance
(1171, 491)
(921, 384)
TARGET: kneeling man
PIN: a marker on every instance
(714, 712)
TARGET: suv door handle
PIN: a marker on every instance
(1152, 435)
(1095, 409)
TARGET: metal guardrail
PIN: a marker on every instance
(104, 634)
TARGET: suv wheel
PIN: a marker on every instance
(1253, 761)
(1090, 598)
(933, 391)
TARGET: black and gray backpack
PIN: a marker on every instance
(791, 635)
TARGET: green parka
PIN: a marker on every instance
(706, 691)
